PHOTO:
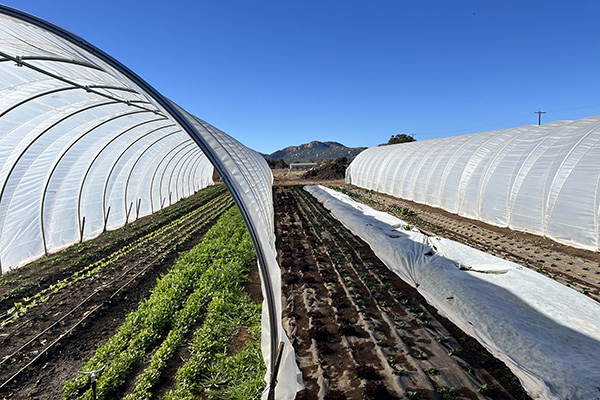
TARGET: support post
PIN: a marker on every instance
(81, 230)
(106, 219)
(275, 372)
(128, 213)
(137, 209)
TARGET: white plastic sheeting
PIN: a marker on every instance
(82, 148)
(548, 334)
(86, 145)
(539, 179)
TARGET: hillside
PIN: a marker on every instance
(315, 151)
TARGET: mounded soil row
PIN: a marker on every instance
(575, 268)
(361, 332)
(49, 344)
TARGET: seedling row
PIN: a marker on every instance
(202, 295)
(64, 313)
(581, 272)
(359, 331)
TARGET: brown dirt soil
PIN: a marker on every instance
(50, 342)
(358, 329)
(287, 177)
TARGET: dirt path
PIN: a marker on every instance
(88, 290)
(358, 330)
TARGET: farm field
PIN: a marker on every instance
(360, 331)
(576, 268)
(56, 311)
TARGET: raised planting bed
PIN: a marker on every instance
(56, 311)
(575, 268)
(359, 331)
(191, 319)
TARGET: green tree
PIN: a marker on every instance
(401, 138)
(276, 163)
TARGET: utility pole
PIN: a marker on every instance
(539, 113)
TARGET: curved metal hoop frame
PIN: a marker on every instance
(188, 126)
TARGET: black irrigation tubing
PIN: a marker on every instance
(310, 202)
(346, 238)
(188, 126)
(314, 209)
(432, 330)
(439, 330)
(189, 232)
(87, 315)
(209, 205)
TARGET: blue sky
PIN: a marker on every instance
(280, 73)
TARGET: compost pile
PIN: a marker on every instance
(328, 171)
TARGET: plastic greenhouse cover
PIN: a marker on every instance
(86, 145)
(547, 333)
(539, 179)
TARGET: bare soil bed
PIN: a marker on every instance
(81, 308)
(358, 330)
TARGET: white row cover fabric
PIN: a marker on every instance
(539, 179)
(86, 145)
(546, 333)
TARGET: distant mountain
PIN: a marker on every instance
(315, 152)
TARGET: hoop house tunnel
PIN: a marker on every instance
(86, 145)
(539, 179)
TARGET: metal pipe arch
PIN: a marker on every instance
(59, 159)
(54, 91)
(20, 156)
(181, 183)
(81, 185)
(181, 160)
(117, 161)
(192, 168)
(156, 170)
(42, 71)
(160, 185)
(57, 59)
(133, 167)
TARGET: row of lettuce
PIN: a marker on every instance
(201, 303)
